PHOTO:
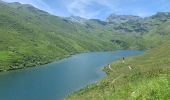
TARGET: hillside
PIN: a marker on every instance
(143, 77)
(31, 37)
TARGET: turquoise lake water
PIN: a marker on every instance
(56, 80)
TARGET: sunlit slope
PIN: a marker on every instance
(146, 77)
(157, 36)
(30, 37)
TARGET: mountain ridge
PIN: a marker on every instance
(27, 33)
(30, 37)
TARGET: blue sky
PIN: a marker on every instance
(99, 9)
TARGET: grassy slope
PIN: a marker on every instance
(30, 37)
(149, 78)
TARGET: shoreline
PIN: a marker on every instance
(40, 64)
(96, 81)
(55, 60)
(50, 61)
(105, 70)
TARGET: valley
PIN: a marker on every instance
(30, 37)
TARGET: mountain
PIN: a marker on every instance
(113, 18)
(76, 19)
(144, 77)
(31, 37)
(162, 16)
(136, 24)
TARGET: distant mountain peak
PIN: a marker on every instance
(17, 3)
(77, 19)
(122, 18)
(162, 14)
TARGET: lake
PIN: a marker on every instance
(56, 80)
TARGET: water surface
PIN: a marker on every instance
(56, 80)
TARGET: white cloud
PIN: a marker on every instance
(99, 8)
(81, 7)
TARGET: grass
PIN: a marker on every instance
(155, 88)
(149, 79)
(31, 37)
(4, 55)
(35, 37)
